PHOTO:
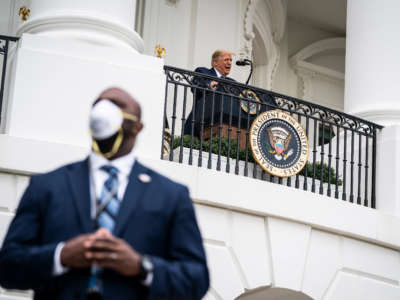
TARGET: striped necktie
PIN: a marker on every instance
(106, 215)
(109, 199)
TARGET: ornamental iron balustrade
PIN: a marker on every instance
(4, 50)
(342, 156)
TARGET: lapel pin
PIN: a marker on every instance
(144, 178)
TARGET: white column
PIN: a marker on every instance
(373, 60)
(372, 86)
(70, 51)
(100, 22)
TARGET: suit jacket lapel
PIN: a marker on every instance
(133, 194)
(78, 177)
(212, 72)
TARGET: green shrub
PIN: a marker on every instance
(325, 172)
(187, 140)
(214, 147)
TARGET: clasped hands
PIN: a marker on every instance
(103, 249)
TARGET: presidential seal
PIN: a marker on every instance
(279, 143)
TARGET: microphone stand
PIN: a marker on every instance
(251, 69)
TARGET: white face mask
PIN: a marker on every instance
(105, 119)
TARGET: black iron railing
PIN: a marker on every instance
(209, 125)
(4, 48)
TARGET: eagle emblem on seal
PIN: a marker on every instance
(279, 140)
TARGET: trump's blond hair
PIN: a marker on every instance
(218, 53)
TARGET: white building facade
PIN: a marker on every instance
(263, 240)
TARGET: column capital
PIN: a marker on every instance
(100, 22)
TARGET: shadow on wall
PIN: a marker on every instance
(268, 293)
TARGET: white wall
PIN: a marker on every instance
(170, 25)
(301, 35)
(286, 81)
(5, 12)
(259, 234)
(320, 74)
(12, 185)
(333, 60)
(191, 31)
(61, 79)
(9, 19)
(265, 237)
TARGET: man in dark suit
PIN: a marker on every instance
(221, 63)
(106, 227)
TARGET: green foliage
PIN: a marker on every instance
(225, 149)
(232, 151)
(326, 172)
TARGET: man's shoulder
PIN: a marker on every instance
(59, 171)
(204, 70)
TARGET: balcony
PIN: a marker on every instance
(210, 128)
(341, 161)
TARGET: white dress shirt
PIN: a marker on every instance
(124, 165)
(98, 177)
(218, 73)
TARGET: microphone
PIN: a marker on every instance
(246, 62)
(243, 62)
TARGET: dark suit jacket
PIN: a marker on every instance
(156, 218)
(197, 101)
(225, 105)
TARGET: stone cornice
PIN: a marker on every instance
(90, 28)
(319, 47)
(306, 69)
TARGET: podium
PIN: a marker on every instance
(232, 111)
(225, 133)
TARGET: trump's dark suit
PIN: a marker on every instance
(156, 218)
(197, 101)
(226, 103)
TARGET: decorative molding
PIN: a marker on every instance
(305, 88)
(271, 53)
(278, 17)
(159, 51)
(309, 69)
(139, 16)
(269, 18)
(385, 117)
(248, 35)
(306, 70)
(77, 24)
(319, 47)
(24, 13)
